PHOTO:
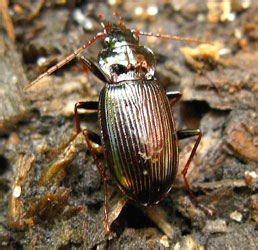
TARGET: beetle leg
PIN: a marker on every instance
(103, 175)
(186, 134)
(92, 136)
(82, 105)
(88, 64)
(88, 136)
(175, 96)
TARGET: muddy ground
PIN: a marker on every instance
(54, 198)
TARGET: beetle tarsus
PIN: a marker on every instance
(205, 209)
(186, 134)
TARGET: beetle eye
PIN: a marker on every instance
(118, 69)
(106, 41)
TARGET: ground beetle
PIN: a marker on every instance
(138, 133)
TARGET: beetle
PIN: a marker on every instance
(138, 132)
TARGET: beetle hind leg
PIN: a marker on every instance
(183, 134)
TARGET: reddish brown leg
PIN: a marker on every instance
(93, 137)
(82, 105)
(174, 96)
(186, 134)
(104, 177)
(87, 134)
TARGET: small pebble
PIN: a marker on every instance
(236, 216)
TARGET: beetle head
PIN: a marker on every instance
(118, 35)
(122, 58)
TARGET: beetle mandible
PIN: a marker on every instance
(138, 133)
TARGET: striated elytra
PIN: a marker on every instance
(139, 138)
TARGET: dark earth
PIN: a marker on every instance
(52, 197)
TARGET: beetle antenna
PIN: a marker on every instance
(103, 26)
(66, 60)
(121, 20)
(178, 38)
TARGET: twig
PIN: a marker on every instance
(7, 19)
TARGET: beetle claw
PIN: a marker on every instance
(207, 210)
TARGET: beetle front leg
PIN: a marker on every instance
(183, 134)
(89, 65)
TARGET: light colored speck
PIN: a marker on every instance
(224, 51)
(112, 2)
(14, 79)
(246, 4)
(4, 243)
(251, 173)
(178, 5)
(41, 61)
(17, 191)
(236, 216)
(151, 39)
(152, 10)
(164, 241)
(177, 246)
(255, 141)
(201, 18)
(83, 20)
(138, 11)
(215, 226)
(88, 25)
(238, 33)
(68, 108)
(187, 242)
(231, 16)
(78, 16)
